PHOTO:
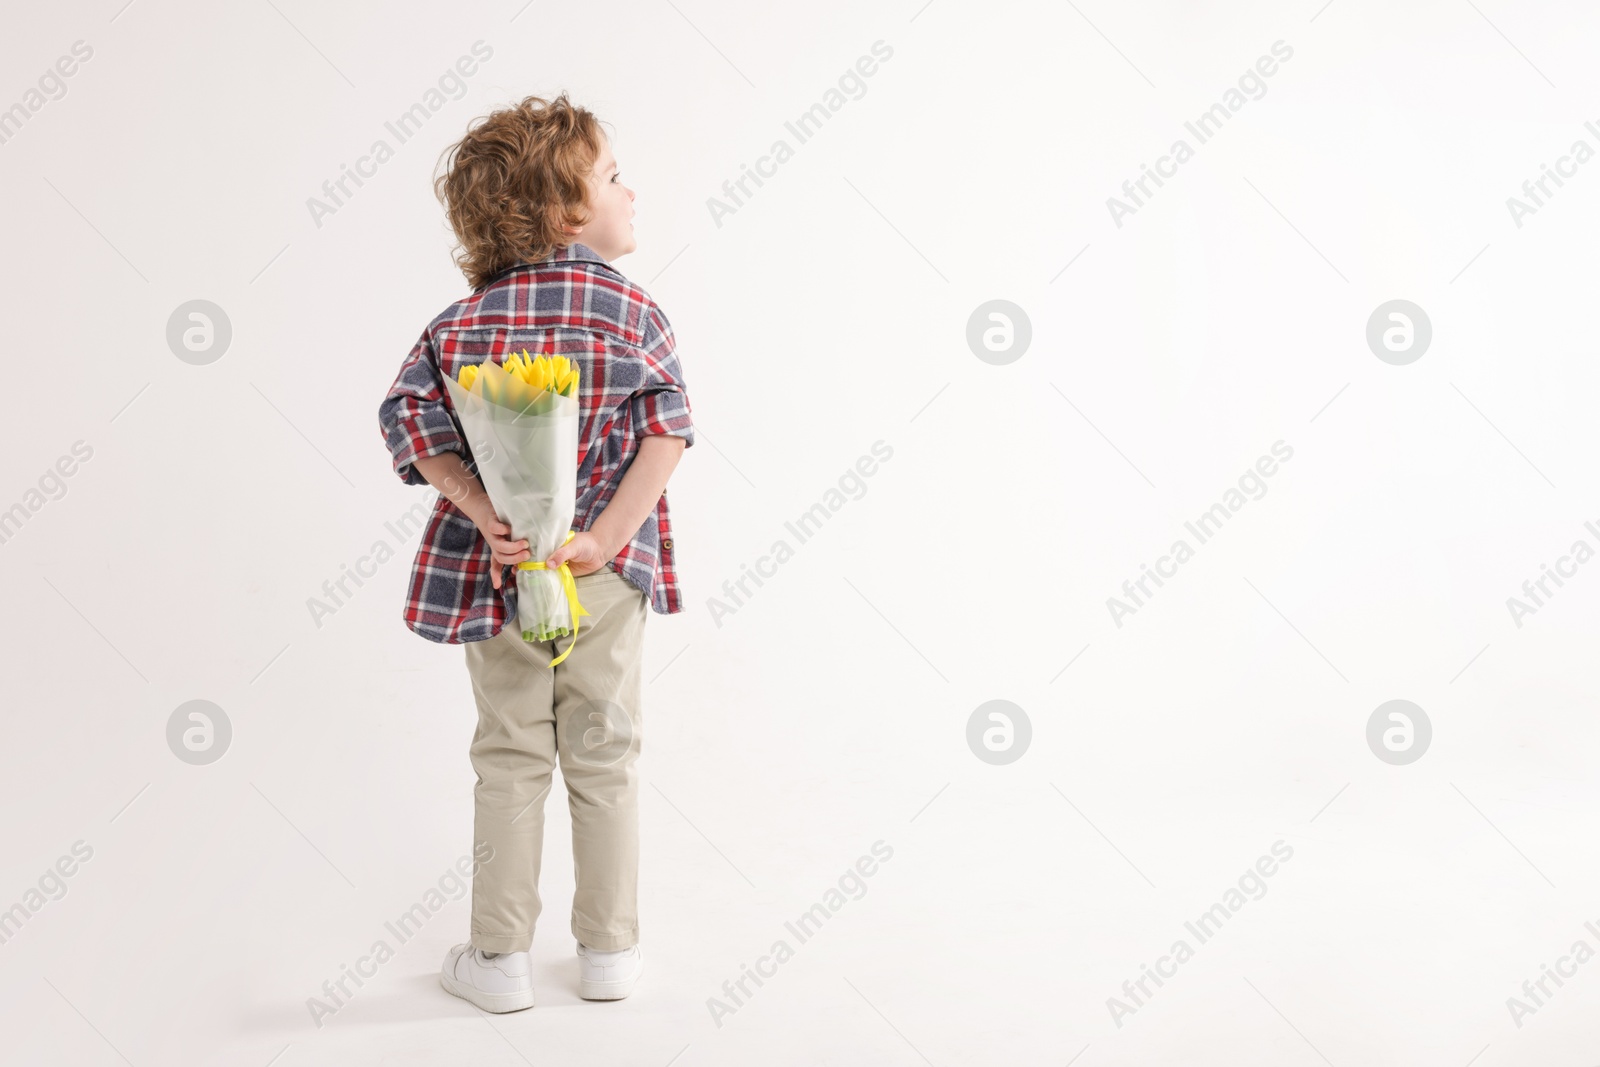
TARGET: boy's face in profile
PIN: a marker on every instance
(610, 229)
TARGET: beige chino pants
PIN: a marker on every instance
(586, 712)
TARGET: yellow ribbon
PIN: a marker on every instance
(571, 587)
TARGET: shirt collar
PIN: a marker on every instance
(574, 252)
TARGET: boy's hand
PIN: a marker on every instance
(584, 553)
(504, 550)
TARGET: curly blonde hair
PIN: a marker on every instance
(515, 180)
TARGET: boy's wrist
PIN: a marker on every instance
(447, 473)
(471, 499)
(478, 508)
(610, 544)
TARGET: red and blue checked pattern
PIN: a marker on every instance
(574, 304)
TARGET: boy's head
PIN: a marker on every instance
(529, 178)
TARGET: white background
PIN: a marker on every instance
(830, 711)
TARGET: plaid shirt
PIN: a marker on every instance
(573, 304)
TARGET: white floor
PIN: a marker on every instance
(1014, 903)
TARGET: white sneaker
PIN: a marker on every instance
(608, 975)
(504, 983)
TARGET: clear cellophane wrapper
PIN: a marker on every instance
(525, 446)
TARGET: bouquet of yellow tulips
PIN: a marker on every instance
(521, 421)
(526, 380)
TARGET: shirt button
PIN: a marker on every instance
(667, 544)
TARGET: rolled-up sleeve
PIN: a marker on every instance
(415, 416)
(661, 404)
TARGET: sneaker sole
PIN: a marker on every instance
(589, 989)
(494, 1002)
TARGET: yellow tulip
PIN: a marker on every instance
(525, 378)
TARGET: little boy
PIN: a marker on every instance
(539, 210)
